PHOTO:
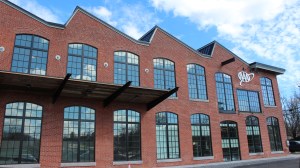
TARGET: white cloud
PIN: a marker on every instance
(37, 9)
(134, 20)
(266, 31)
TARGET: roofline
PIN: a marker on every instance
(276, 70)
(182, 43)
(63, 26)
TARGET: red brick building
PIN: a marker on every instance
(86, 94)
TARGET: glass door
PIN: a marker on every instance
(230, 141)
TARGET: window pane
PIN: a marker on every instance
(167, 138)
(253, 135)
(274, 134)
(224, 92)
(126, 68)
(127, 135)
(78, 134)
(248, 101)
(196, 82)
(22, 128)
(82, 62)
(267, 91)
(30, 55)
(230, 141)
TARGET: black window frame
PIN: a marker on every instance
(225, 95)
(126, 141)
(126, 64)
(227, 122)
(79, 120)
(198, 90)
(31, 48)
(264, 89)
(82, 57)
(249, 119)
(164, 74)
(248, 101)
(200, 124)
(23, 118)
(272, 126)
(167, 134)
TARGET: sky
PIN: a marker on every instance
(265, 31)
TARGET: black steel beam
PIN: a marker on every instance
(117, 93)
(155, 102)
(60, 88)
(228, 61)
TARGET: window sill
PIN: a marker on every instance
(227, 112)
(22, 166)
(267, 106)
(173, 98)
(78, 164)
(200, 100)
(204, 158)
(168, 160)
(115, 163)
(250, 112)
(277, 152)
(254, 154)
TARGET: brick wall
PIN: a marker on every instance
(84, 29)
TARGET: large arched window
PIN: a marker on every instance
(274, 134)
(127, 135)
(224, 92)
(230, 141)
(78, 134)
(167, 138)
(21, 133)
(253, 135)
(196, 82)
(82, 62)
(30, 54)
(164, 74)
(126, 68)
(267, 91)
(201, 135)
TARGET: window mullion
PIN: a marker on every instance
(30, 55)
(22, 134)
(197, 91)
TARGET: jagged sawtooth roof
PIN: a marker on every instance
(144, 40)
(209, 48)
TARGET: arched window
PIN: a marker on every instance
(267, 91)
(230, 141)
(253, 135)
(224, 93)
(78, 134)
(30, 54)
(196, 82)
(127, 135)
(82, 62)
(126, 68)
(167, 138)
(164, 74)
(274, 134)
(201, 135)
(21, 133)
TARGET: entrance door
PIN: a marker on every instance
(230, 141)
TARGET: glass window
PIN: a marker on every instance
(196, 82)
(274, 134)
(21, 134)
(30, 54)
(267, 91)
(127, 135)
(167, 138)
(248, 101)
(224, 92)
(126, 68)
(82, 62)
(164, 74)
(230, 141)
(78, 134)
(253, 135)
(201, 135)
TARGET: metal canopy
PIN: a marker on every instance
(64, 87)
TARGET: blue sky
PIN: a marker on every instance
(266, 31)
